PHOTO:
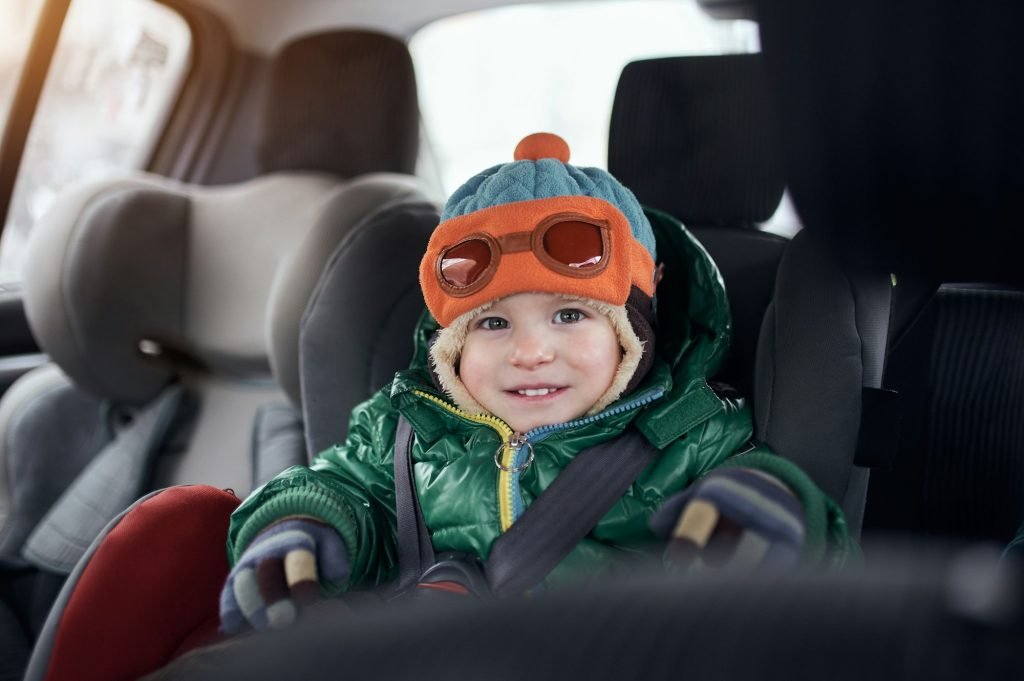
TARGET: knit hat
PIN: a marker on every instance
(541, 225)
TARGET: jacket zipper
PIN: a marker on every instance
(511, 443)
(543, 432)
(516, 452)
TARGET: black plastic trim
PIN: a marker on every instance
(16, 336)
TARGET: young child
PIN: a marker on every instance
(540, 280)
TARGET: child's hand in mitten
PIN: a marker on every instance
(279, 572)
(733, 518)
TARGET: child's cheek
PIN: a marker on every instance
(597, 356)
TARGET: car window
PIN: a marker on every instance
(488, 78)
(117, 69)
(17, 25)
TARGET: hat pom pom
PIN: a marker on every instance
(542, 145)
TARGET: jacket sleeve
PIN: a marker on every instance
(828, 538)
(726, 441)
(348, 486)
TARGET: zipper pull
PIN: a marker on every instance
(516, 441)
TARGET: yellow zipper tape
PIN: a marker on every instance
(507, 457)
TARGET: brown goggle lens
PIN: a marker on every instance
(462, 265)
(576, 244)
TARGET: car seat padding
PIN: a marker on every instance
(147, 591)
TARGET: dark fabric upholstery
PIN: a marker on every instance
(748, 260)
(43, 460)
(696, 137)
(959, 469)
(901, 124)
(114, 478)
(277, 441)
(903, 139)
(343, 102)
(14, 646)
(358, 326)
(809, 366)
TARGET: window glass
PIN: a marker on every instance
(17, 25)
(488, 78)
(117, 69)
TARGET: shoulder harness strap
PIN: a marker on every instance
(547, 531)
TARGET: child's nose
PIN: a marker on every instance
(531, 349)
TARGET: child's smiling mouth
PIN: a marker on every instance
(536, 392)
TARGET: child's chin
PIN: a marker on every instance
(525, 422)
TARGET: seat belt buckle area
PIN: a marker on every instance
(454, 575)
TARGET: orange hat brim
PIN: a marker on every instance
(628, 264)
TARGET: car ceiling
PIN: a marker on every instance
(264, 25)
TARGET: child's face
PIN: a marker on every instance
(536, 359)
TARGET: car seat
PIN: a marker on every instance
(893, 342)
(150, 297)
(348, 345)
(357, 327)
(696, 137)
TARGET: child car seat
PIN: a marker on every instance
(172, 541)
(150, 296)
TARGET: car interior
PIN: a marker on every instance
(188, 328)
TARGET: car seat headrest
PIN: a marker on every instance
(357, 291)
(345, 214)
(342, 102)
(130, 282)
(697, 137)
(903, 130)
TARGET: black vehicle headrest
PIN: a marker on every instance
(342, 102)
(902, 127)
(697, 137)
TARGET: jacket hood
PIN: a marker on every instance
(694, 322)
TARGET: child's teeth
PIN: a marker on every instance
(531, 392)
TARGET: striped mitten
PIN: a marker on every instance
(279, 572)
(733, 518)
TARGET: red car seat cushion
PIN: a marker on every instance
(150, 591)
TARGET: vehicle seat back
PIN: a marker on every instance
(696, 137)
(958, 470)
(820, 364)
(864, 373)
(923, 183)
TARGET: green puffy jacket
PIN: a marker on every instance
(468, 502)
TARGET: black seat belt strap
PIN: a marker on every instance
(566, 512)
(415, 552)
(547, 531)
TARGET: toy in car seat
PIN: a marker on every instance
(540, 348)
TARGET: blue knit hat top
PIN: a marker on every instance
(543, 178)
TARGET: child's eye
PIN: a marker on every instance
(570, 316)
(493, 323)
